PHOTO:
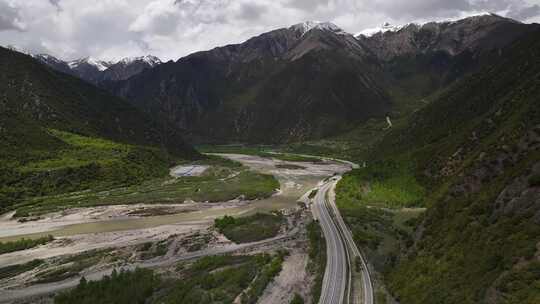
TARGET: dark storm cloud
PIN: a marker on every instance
(9, 18)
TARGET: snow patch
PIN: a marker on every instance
(387, 27)
(99, 64)
(148, 59)
(310, 25)
(48, 58)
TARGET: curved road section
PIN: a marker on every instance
(341, 251)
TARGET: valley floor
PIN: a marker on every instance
(92, 241)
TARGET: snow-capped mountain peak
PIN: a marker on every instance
(148, 59)
(99, 64)
(47, 58)
(307, 26)
(386, 27)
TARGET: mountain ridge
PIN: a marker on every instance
(94, 70)
(193, 91)
(229, 93)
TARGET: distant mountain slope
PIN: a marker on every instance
(313, 80)
(288, 84)
(98, 71)
(128, 67)
(476, 147)
(38, 106)
(477, 33)
(44, 97)
(88, 68)
(421, 59)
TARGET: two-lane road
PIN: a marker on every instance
(341, 251)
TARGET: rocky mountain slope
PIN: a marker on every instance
(287, 84)
(42, 115)
(128, 67)
(313, 79)
(88, 68)
(477, 33)
(421, 59)
(476, 148)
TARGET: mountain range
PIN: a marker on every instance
(273, 87)
(313, 80)
(93, 70)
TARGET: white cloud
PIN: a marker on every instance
(10, 19)
(158, 17)
(111, 29)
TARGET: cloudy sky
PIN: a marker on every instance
(113, 29)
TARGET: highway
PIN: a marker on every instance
(341, 252)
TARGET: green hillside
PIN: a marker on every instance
(475, 150)
(61, 134)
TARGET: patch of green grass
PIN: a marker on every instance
(276, 152)
(233, 149)
(15, 270)
(251, 228)
(82, 163)
(379, 230)
(291, 157)
(217, 184)
(24, 244)
(383, 184)
(83, 151)
(325, 148)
